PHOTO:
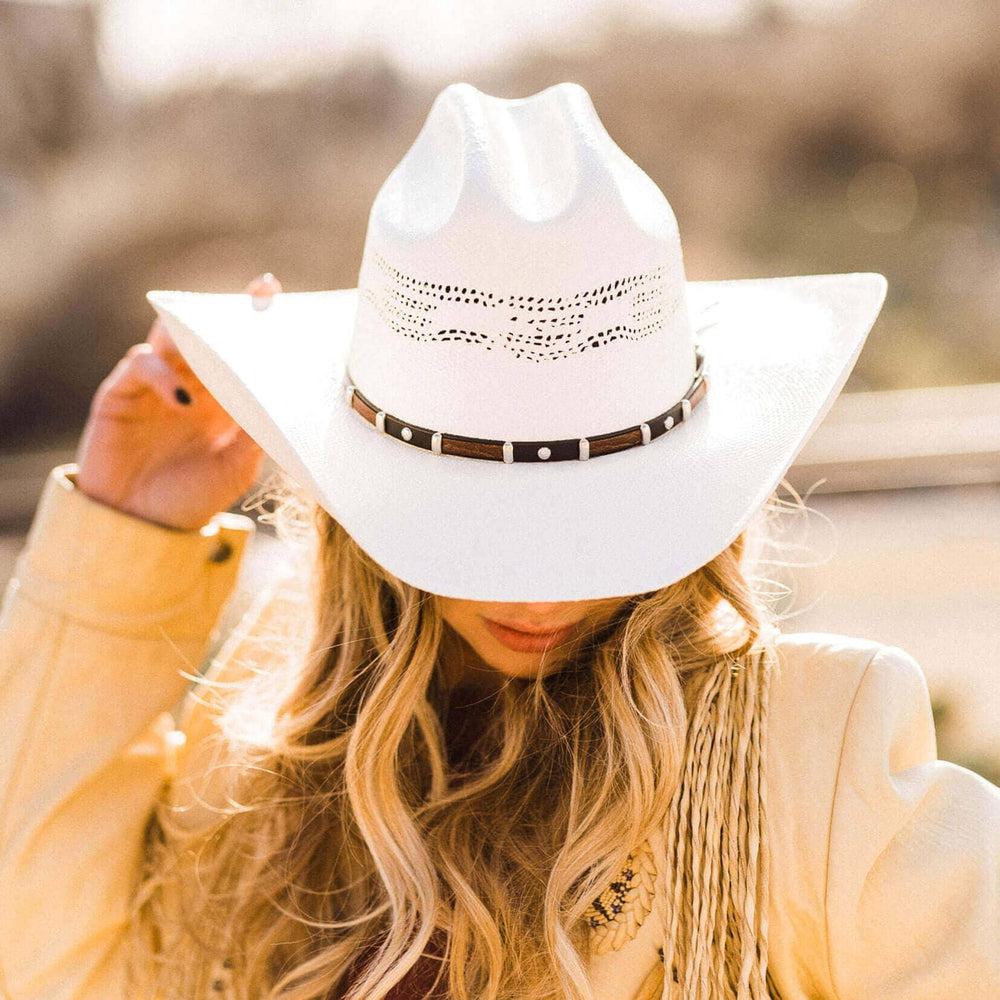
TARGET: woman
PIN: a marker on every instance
(517, 723)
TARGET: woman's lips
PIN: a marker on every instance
(527, 642)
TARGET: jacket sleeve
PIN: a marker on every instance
(103, 625)
(913, 876)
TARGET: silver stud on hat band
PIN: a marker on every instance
(491, 449)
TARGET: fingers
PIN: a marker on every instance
(163, 344)
(157, 364)
(241, 451)
(142, 369)
(264, 284)
(262, 288)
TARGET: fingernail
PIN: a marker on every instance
(268, 277)
(183, 396)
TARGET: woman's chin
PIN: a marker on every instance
(521, 665)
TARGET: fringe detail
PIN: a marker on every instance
(718, 865)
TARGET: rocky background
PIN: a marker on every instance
(867, 143)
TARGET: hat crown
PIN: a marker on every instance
(522, 277)
(540, 157)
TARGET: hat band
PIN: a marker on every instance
(564, 449)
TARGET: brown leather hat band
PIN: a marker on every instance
(560, 450)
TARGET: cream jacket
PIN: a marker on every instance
(886, 861)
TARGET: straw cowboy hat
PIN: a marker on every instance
(524, 398)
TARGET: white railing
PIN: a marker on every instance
(944, 436)
(884, 440)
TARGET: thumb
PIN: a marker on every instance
(242, 451)
(243, 445)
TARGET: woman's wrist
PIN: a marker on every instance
(113, 568)
(84, 486)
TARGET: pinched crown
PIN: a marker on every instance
(522, 276)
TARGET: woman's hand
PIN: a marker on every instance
(157, 445)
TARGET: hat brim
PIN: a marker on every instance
(777, 353)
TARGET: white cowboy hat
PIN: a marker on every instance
(522, 283)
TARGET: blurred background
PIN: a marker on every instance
(196, 143)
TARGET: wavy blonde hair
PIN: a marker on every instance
(348, 848)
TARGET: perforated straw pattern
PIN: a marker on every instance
(534, 327)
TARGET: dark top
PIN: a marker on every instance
(466, 715)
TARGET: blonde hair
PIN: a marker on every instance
(347, 836)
